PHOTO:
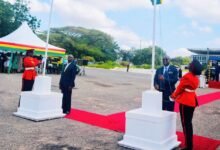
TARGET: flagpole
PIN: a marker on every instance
(48, 35)
(153, 47)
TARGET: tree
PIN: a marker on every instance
(126, 55)
(144, 56)
(6, 18)
(12, 15)
(178, 61)
(83, 42)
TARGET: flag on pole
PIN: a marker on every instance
(157, 2)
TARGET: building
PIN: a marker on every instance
(204, 55)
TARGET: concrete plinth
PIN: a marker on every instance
(150, 128)
(40, 104)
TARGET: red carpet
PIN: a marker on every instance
(200, 143)
(203, 99)
(116, 122)
(214, 84)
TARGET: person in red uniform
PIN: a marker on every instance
(29, 74)
(185, 95)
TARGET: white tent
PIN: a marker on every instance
(23, 38)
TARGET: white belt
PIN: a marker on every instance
(188, 90)
(29, 68)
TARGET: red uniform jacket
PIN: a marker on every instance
(29, 65)
(185, 92)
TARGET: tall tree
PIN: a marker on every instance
(84, 42)
(126, 55)
(6, 18)
(12, 15)
(144, 56)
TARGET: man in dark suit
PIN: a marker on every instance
(67, 82)
(164, 81)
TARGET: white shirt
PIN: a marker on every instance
(67, 66)
(165, 68)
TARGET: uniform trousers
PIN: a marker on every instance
(27, 85)
(186, 114)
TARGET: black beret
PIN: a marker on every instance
(195, 67)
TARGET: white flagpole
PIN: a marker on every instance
(153, 47)
(48, 35)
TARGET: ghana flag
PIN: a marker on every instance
(157, 2)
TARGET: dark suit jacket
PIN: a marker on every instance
(68, 76)
(169, 83)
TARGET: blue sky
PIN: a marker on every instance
(181, 24)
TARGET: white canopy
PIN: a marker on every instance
(24, 37)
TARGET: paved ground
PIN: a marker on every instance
(100, 91)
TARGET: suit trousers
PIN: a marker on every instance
(66, 101)
(186, 114)
(167, 104)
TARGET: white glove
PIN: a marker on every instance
(172, 100)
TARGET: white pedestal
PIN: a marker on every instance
(202, 83)
(40, 104)
(150, 128)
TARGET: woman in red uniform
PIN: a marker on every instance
(185, 95)
(29, 71)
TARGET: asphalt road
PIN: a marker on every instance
(99, 91)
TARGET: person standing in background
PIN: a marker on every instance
(67, 83)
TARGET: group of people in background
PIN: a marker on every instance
(165, 81)
(12, 62)
(212, 71)
(217, 71)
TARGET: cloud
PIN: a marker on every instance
(180, 52)
(204, 10)
(205, 29)
(127, 39)
(78, 13)
(107, 5)
(93, 14)
(39, 6)
(185, 30)
(190, 30)
(214, 43)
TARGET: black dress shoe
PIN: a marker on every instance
(67, 112)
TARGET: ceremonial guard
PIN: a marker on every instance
(30, 73)
(185, 95)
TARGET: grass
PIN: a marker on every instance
(105, 65)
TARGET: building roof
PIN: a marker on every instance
(210, 51)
